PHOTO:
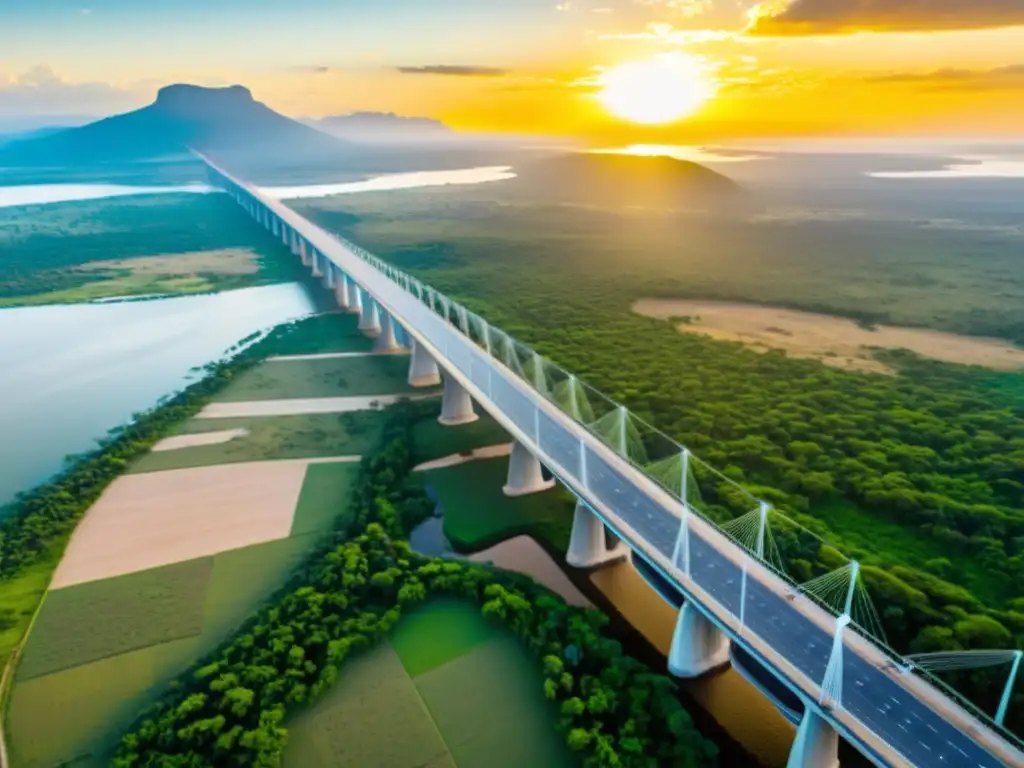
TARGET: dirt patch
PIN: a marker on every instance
(524, 555)
(486, 452)
(835, 341)
(223, 261)
(199, 438)
(158, 518)
(301, 405)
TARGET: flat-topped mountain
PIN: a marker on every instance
(182, 116)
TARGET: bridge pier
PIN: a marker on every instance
(294, 242)
(341, 291)
(369, 319)
(315, 260)
(329, 273)
(284, 231)
(304, 253)
(525, 475)
(422, 368)
(355, 305)
(816, 744)
(588, 547)
(386, 341)
(698, 646)
(456, 404)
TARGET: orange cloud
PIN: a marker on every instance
(826, 17)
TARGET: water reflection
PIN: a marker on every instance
(41, 194)
(71, 372)
(395, 181)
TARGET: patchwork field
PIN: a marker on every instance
(321, 377)
(477, 514)
(432, 440)
(447, 690)
(296, 436)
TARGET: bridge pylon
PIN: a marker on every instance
(386, 341)
(525, 475)
(698, 646)
(369, 318)
(341, 291)
(816, 744)
(456, 404)
(355, 302)
(588, 545)
(423, 370)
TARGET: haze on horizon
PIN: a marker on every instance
(597, 70)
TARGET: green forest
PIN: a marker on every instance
(45, 246)
(919, 476)
(231, 708)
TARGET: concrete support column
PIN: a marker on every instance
(304, 253)
(341, 290)
(293, 242)
(369, 319)
(316, 261)
(698, 646)
(422, 368)
(285, 233)
(587, 544)
(816, 744)
(456, 404)
(355, 305)
(386, 341)
(329, 274)
(524, 473)
(275, 225)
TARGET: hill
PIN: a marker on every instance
(384, 127)
(182, 116)
(620, 179)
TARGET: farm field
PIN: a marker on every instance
(432, 440)
(448, 689)
(325, 377)
(296, 436)
(477, 514)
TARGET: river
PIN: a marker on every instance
(72, 372)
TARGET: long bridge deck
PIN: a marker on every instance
(894, 719)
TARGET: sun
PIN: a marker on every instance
(658, 90)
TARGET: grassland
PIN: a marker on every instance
(176, 244)
(477, 514)
(299, 436)
(324, 498)
(104, 618)
(448, 689)
(325, 377)
(432, 440)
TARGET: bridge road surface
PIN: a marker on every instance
(880, 715)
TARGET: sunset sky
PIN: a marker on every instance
(796, 67)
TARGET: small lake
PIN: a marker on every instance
(71, 372)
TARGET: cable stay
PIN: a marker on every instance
(754, 533)
(675, 474)
(842, 591)
(950, 661)
(616, 429)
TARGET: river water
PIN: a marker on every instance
(69, 373)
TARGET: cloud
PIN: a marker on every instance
(954, 79)
(687, 8)
(39, 91)
(457, 70)
(827, 17)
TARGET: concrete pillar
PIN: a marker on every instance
(698, 646)
(284, 233)
(456, 404)
(386, 341)
(524, 473)
(329, 273)
(816, 744)
(355, 305)
(316, 261)
(587, 545)
(293, 242)
(422, 368)
(369, 320)
(275, 225)
(341, 290)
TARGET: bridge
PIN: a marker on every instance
(629, 479)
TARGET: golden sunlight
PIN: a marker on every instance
(659, 90)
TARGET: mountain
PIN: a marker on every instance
(37, 133)
(182, 116)
(621, 179)
(384, 127)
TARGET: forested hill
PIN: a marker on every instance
(182, 116)
(622, 179)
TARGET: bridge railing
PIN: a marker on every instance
(646, 448)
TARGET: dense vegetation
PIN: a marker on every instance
(920, 476)
(45, 246)
(230, 710)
